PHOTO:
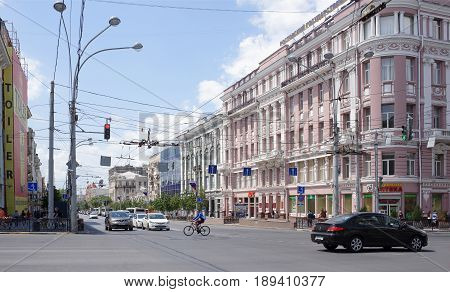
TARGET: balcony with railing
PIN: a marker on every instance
(441, 135)
(241, 106)
(304, 73)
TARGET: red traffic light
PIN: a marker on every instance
(107, 126)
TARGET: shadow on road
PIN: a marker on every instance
(376, 250)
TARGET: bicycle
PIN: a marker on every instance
(189, 230)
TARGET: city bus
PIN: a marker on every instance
(136, 210)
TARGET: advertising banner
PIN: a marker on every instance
(9, 137)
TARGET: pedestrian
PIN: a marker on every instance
(28, 214)
(16, 214)
(3, 213)
(23, 214)
(323, 214)
(273, 213)
(400, 215)
(310, 218)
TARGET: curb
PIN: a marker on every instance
(33, 232)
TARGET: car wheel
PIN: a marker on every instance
(387, 247)
(168, 229)
(106, 227)
(355, 244)
(330, 247)
(415, 244)
(131, 228)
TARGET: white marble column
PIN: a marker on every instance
(445, 30)
(259, 132)
(425, 26)
(361, 31)
(396, 28)
(327, 178)
(427, 73)
(430, 27)
(275, 125)
(402, 22)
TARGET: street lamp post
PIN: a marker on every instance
(59, 6)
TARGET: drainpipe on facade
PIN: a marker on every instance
(419, 95)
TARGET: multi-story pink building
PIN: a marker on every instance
(389, 71)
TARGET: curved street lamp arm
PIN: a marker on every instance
(98, 52)
(96, 36)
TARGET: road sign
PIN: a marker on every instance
(300, 190)
(65, 196)
(199, 200)
(301, 198)
(105, 160)
(212, 169)
(247, 171)
(32, 186)
(293, 171)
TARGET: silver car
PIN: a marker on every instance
(118, 220)
(138, 220)
(156, 221)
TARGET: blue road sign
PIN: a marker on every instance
(65, 196)
(212, 169)
(199, 200)
(32, 186)
(293, 171)
(300, 190)
(247, 171)
(301, 198)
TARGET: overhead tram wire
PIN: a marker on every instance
(200, 8)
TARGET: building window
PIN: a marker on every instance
(278, 78)
(410, 164)
(264, 86)
(409, 116)
(387, 25)
(387, 69)
(367, 164)
(346, 167)
(321, 132)
(437, 25)
(322, 169)
(292, 140)
(436, 117)
(310, 98)
(331, 127)
(271, 84)
(437, 74)
(310, 135)
(366, 27)
(300, 102)
(300, 137)
(320, 93)
(319, 55)
(387, 115)
(301, 173)
(366, 69)
(366, 125)
(309, 60)
(408, 23)
(346, 121)
(438, 165)
(388, 164)
(310, 170)
(291, 104)
(345, 82)
(410, 69)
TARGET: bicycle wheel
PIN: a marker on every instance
(205, 230)
(188, 230)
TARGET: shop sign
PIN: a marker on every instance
(391, 188)
(251, 194)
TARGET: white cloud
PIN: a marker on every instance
(208, 90)
(35, 87)
(273, 27)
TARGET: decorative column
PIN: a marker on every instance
(315, 171)
(255, 207)
(445, 30)
(447, 91)
(377, 25)
(203, 164)
(259, 133)
(283, 124)
(430, 27)
(327, 173)
(402, 22)
(361, 31)
(353, 106)
(396, 28)
(424, 26)
(267, 128)
(275, 125)
(209, 206)
(427, 73)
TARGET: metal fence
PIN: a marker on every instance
(34, 225)
(230, 220)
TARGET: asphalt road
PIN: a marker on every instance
(227, 248)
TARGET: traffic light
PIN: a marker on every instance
(107, 131)
(380, 182)
(404, 133)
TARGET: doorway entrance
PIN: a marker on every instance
(390, 207)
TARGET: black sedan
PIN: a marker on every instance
(358, 230)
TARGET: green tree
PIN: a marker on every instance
(99, 201)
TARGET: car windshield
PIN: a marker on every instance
(140, 216)
(119, 214)
(94, 213)
(157, 216)
(339, 219)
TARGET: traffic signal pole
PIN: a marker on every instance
(51, 175)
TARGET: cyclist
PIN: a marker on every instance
(198, 220)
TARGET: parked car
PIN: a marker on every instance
(155, 221)
(93, 215)
(138, 220)
(118, 220)
(359, 230)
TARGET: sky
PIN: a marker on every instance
(189, 57)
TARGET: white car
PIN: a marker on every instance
(138, 220)
(155, 221)
(93, 215)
